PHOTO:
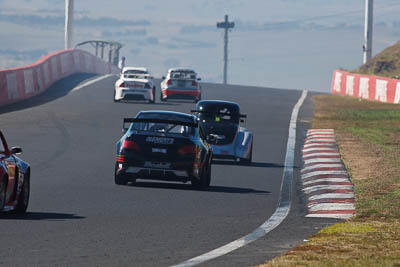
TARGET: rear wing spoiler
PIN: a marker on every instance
(216, 113)
(132, 120)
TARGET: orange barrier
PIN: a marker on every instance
(17, 84)
(369, 87)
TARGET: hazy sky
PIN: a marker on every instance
(276, 43)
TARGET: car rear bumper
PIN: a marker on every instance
(230, 152)
(180, 94)
(136, 94)
(224, 151)
(177, 175)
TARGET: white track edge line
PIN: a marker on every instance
(284, 201)
(91, 82)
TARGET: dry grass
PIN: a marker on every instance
(385, 63)
(368, 135)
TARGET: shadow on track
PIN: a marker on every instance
(145, 102)
(215, 189)
(39, 216)
(180, 101)
(253, 164)
(57, 90)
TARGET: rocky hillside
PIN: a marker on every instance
(386, 63)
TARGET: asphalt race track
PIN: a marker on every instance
(78, 216)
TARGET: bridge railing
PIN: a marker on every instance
(21, 83)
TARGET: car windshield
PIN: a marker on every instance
(220, 115)
(220, 121)
(162, 128)
(131, 73)
(136, 76)
(183, 75)
(171, 128)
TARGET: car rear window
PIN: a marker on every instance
(166, 116)
(129, 73)
(136, 76)
(183, 75)
(171, 128)
(220, 114)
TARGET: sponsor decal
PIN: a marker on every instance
(159, 150)
(364, 88)
(338, 81)
(160, 140)
(135, 85)
(381, 90)
(350, 85)
(397, 95)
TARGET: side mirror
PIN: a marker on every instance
(199, 79)
(241, 120)
(163, 77)
(16, 150)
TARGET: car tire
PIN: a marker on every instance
(119, 179)
(3, 192)
(204, 181)
(250, 159)
(162, 99)
(23, 200)
(152, 101)
(115, 94)
(208, 175)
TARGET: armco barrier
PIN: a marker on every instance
(21, 83)
(365, 86)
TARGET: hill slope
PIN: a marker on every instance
(385, 63)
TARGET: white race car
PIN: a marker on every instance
(135, 84)
(181, 84)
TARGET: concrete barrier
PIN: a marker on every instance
(369, 87)
(17, 84)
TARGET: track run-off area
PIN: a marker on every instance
(78, 216)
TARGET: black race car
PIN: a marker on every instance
(163, 145)
(220, 123)
(14, 179)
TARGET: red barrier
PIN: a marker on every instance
(17, 84)
(369, 87)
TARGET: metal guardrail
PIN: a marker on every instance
(113, 52)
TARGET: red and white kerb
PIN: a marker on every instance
(325, 180)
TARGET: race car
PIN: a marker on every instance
(220, 121)
(180, 84)
(135, 84)
(14, 179)
(163, 145)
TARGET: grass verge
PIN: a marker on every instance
(368, 135)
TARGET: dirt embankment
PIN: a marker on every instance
(385, 63)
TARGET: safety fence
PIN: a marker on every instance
(369, 87)
(21, 83)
